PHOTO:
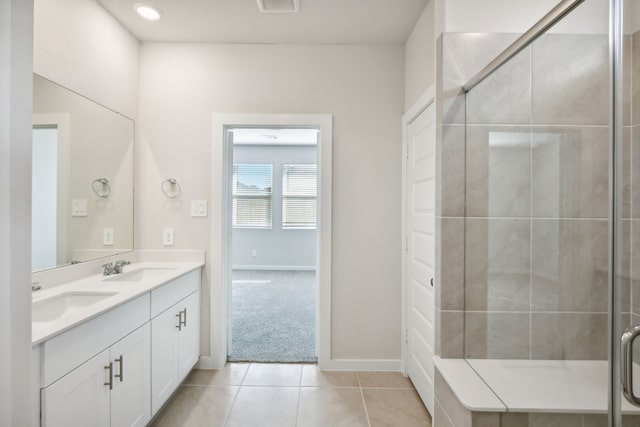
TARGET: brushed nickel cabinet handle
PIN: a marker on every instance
(179, 316)
(110, 382)
(184, 323)
(120, 361)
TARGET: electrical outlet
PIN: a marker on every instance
(107, 237)
(254, 252)
(167, 237)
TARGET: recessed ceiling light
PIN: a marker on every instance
(148, 12)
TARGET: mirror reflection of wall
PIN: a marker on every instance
(43, 199)
(76, 144)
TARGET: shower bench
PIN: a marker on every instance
(524, 393)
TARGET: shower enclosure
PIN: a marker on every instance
(545, 217)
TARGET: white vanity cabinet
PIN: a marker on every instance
(111, 389)
(175, 338)
(118, 368)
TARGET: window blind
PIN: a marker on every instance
(252, 187)
(299, 193)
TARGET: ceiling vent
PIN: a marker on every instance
(279, 6)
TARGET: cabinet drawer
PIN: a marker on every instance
(70, 349)
(167, 295)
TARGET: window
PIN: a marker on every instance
(299, 191)
(252, 184)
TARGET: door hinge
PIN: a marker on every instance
(406, 152)
(406, 244)
(406, 336)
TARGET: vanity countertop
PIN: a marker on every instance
(136, 279)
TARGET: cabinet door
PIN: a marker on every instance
(164, 356)
(189, 335)
(131, 394)
(80, 398)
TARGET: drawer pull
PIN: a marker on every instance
(184, 323)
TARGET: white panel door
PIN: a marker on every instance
(420, 222)
(131, 394)
(164, 356)
(80, 398)
(189, 346)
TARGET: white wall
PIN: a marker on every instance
(275, 247)
(82, 47)
(16, 42)
(419, 73)
(362, 86)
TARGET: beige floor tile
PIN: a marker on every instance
(273, 374)
(264, 407)
(197, 406)
(314, 377)
(335, 407)
(395, 408)
(384, 380)
(231, 374)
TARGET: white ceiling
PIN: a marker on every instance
(240, 21)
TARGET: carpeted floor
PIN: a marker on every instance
(273, 316)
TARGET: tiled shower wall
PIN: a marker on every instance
(523, 198)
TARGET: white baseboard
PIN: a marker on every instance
(207, 362)
(389, 365)
(384, 365)
(276, 267)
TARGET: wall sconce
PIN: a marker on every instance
(101, 187)
(171, 188)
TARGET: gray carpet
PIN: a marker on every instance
(273, 316)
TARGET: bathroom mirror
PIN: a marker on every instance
(83, 174)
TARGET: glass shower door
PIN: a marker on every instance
(625, 212)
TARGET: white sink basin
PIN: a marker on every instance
(140, 274)
(59, 306)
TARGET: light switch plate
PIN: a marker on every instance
(167, 236)
(79, 207)
(198, 208)
(107, 237)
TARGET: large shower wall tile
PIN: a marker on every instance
(449, 275)
(635, 264)
(633, 185)
(540, 420)
(449, 340)
(570, 172)
(627, 79)
(498, 171)
(569, 265)
(571, 79)
(623, 263)
(504, 97)
(497, 265)
(496, 335)
(461, 56)
(624, 188)
(450, 153)
(635, 78)
(569, 336)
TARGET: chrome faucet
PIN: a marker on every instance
(117, 268)
(110, 268)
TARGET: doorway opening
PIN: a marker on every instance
(272, 191)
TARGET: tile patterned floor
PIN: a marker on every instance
(283, 395)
